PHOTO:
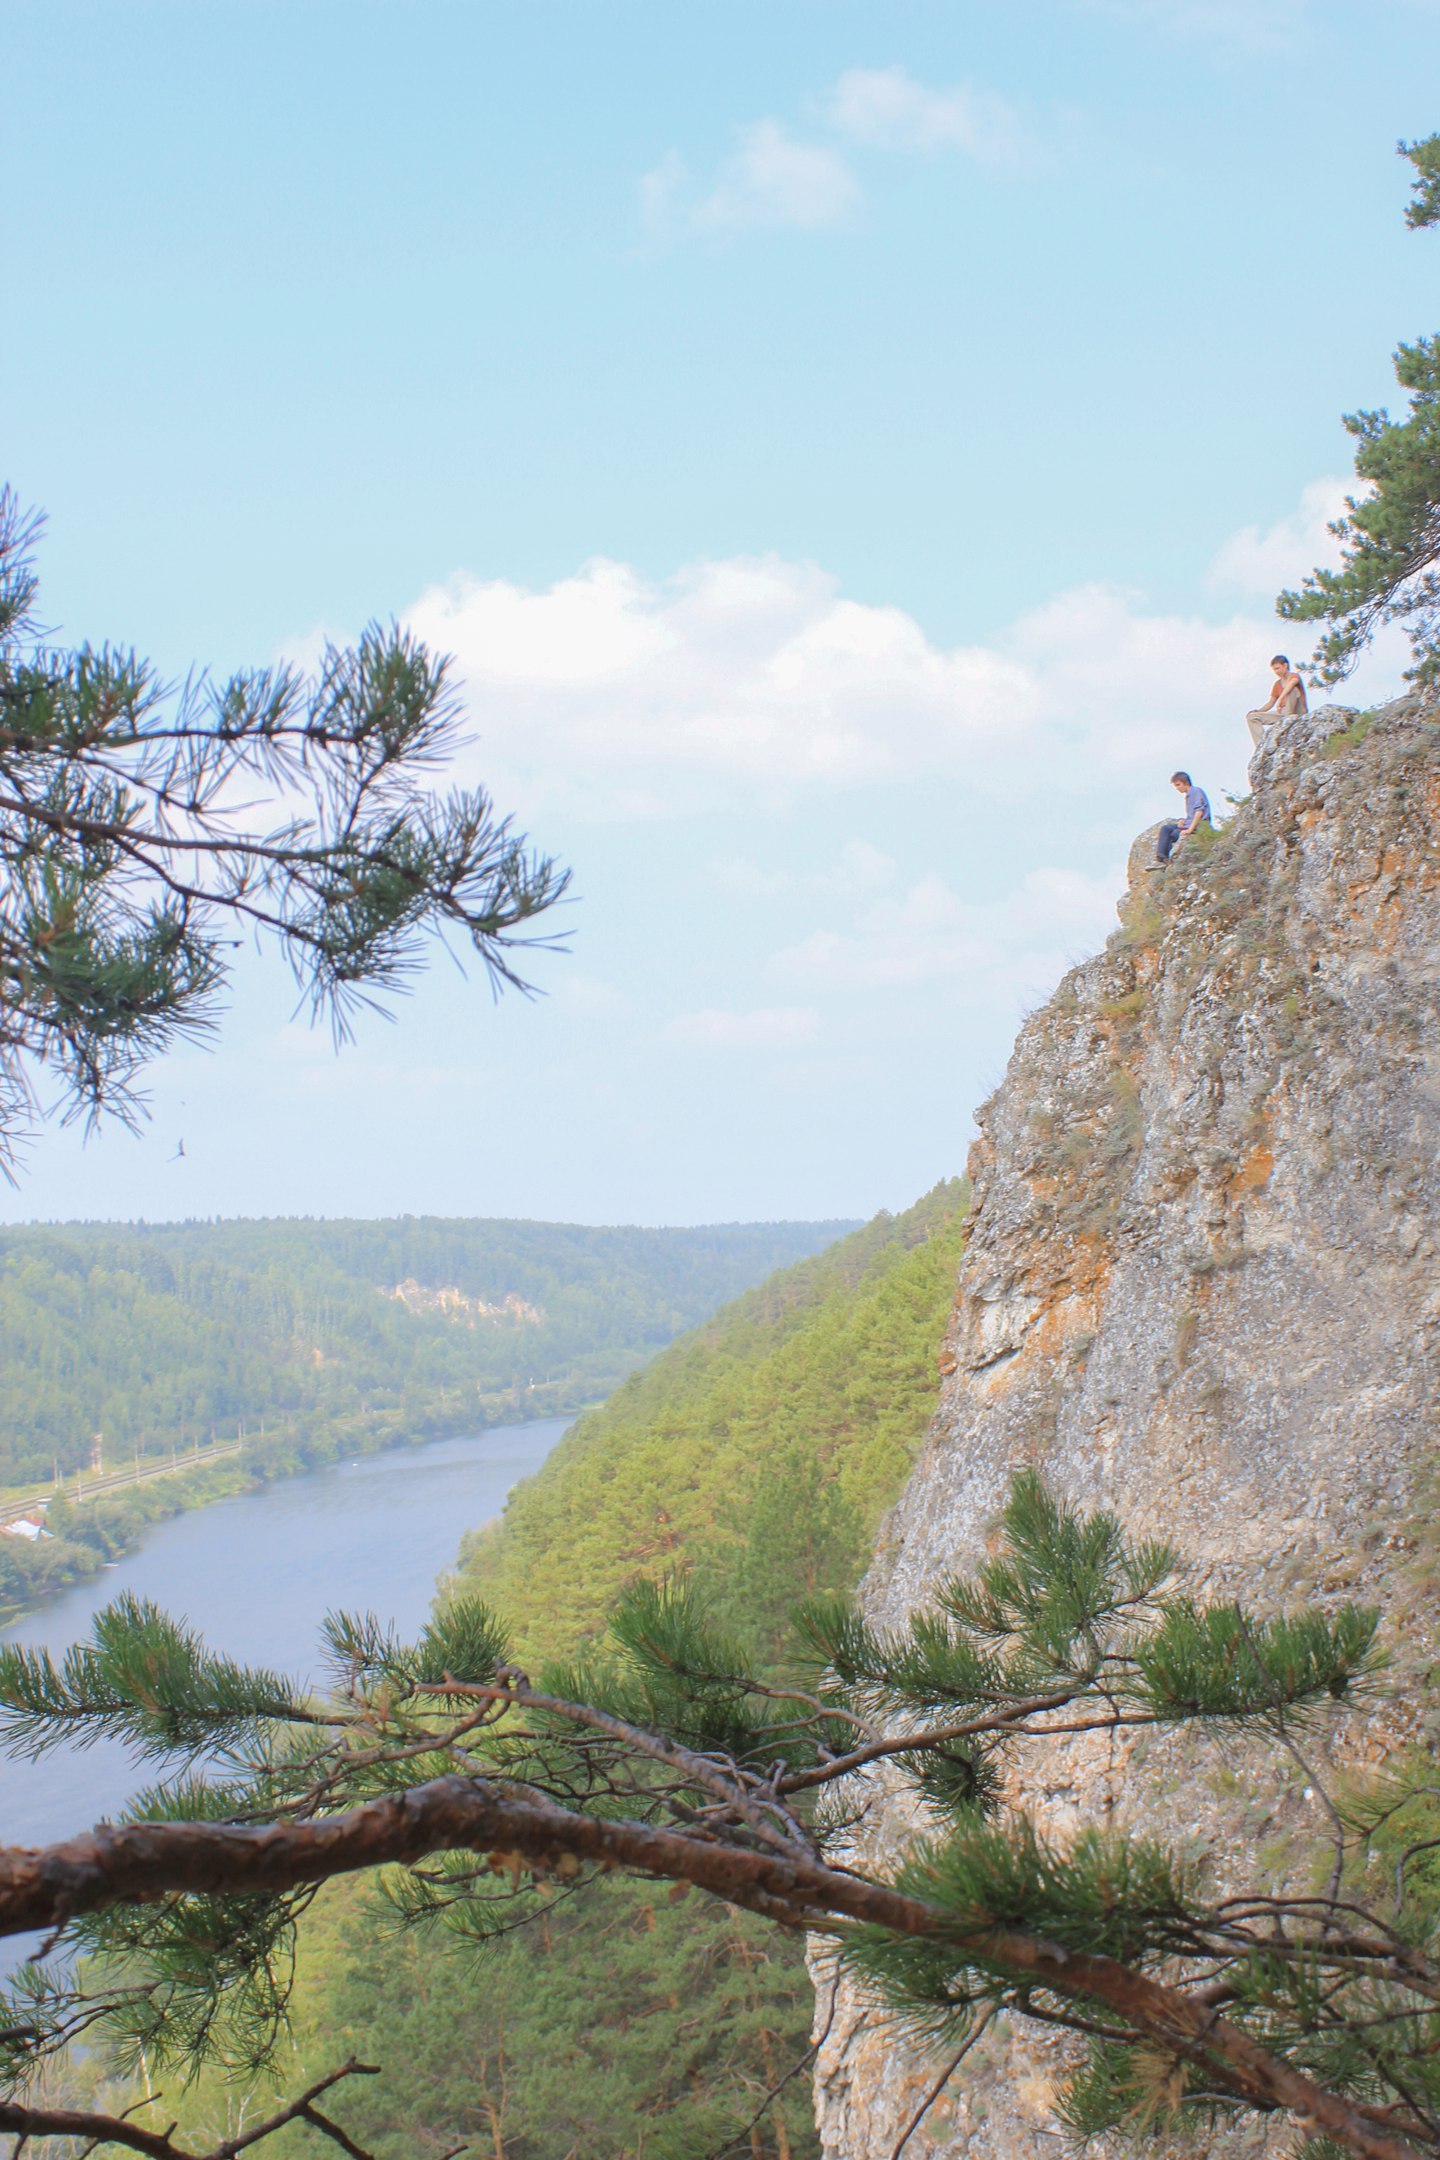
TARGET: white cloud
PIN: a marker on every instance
(306, 649)
(1007, 950)
(1118, 683)
(629, 696)
(298, 1042)
(306, 1065)
(772, 179)
(585, 995)
(858, 869)
(886, 109)
(1232, 25)
(661, 191)
(748, 680)
(770, 1027)
(1262, 562)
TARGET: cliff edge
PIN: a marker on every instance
(1200, 1287)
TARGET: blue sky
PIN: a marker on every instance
(851, 449)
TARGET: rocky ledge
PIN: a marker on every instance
(1201, 1288)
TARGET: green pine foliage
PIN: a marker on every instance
(615, 2028)
(1390, 533)
(1424, 206)
(757, 1454)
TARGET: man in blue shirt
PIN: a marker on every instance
(1197, 813)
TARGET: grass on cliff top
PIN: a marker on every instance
(822, 1380)
(1348, 738)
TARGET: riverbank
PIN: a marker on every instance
(133, 1354)
(18, 1502)
(256, 1576)
(106, 1526)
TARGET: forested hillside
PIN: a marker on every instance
(154, 1336)
(759, 1453)
(826, 1372)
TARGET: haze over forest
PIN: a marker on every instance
(592, 602)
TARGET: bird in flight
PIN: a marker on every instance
(179, 1154)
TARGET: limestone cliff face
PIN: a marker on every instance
(1201, 1287)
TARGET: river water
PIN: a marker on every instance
(256, 1576)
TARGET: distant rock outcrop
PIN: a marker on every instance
(1200, 1287)
(453, 1304)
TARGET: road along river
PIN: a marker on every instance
(256, 1576)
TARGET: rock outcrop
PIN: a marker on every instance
(1200, 1287)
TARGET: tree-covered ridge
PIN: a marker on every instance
(769, 1439)
(794, 1415)
(621, 2025)
(156, 1335)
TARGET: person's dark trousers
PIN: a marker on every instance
(1166, 841)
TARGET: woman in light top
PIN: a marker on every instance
(1287, 696)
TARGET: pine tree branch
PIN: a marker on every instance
(517, 1690)
(1010, 1717)
(27, 2122)
(128, 833)
(141, 1862)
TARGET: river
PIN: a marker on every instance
(256, 1576)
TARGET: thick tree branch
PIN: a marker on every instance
(160, 2144)
(138, 1862)
(517, 1691)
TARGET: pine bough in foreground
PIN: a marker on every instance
(132, 863)
(472, 1788)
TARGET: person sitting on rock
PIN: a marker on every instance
(1286, 697)
(1197, 813)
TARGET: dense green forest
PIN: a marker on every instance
(155, 1336)
(161, 1336)
(826, 1371)
(758, 1453)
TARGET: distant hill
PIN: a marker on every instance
(758, 1452)
(314, 1336)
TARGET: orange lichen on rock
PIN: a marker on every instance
(1240, 1362)
(1256, 1170)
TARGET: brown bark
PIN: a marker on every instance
(132, 1862)
(777, 2119)
(79, 2123)
(159, 2144)
(496, 2110)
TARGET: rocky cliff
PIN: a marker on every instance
(1201, 1288)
